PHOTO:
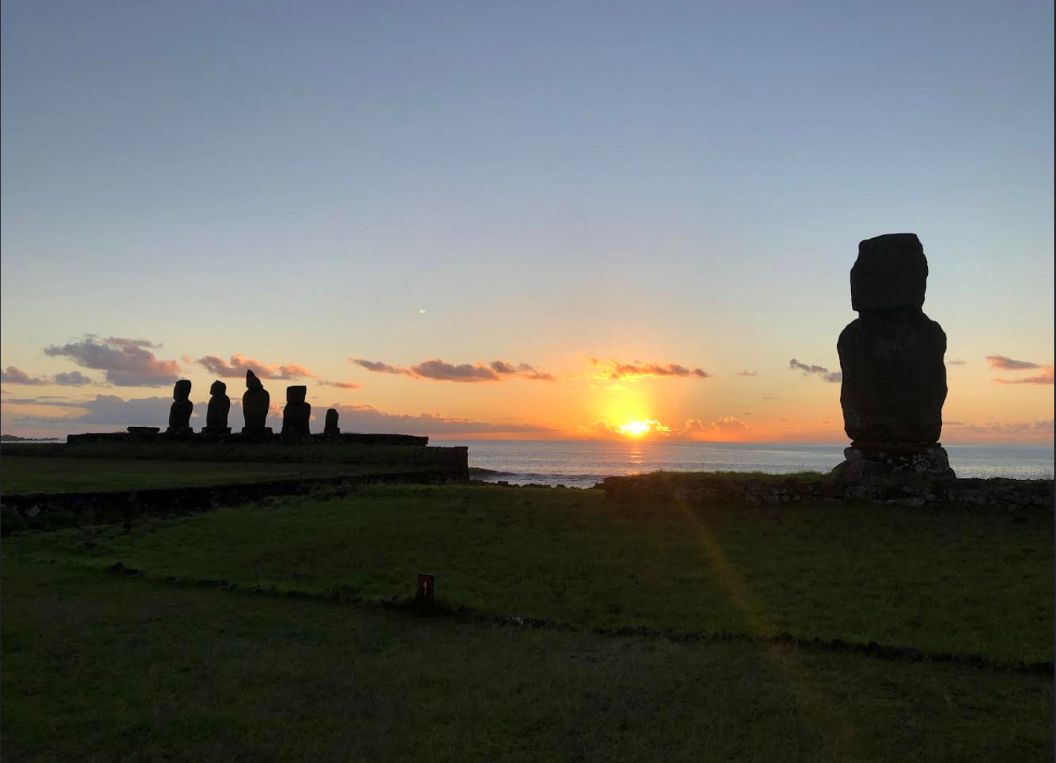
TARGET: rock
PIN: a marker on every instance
(296, 412)
(894, 378)
(181, 408)
(255, 405)
(891, 272)
(219, 406)
(330, 427)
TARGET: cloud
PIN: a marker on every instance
(522, 370)
(71, 379)
(119, 342)
(239, 364)
(64, 379)
(50, 400)
(12, 375)
(1045, 377)
(747, 373)
(441, 370)
(379, 368)
(726, 427)
(127, 362)
(1005, 363)
(111, 409)
(1042, 428)
(339, 384)
(820, 371)
(652, 427)
(615, 370)
(105, 410)
(113, 413)
(730, 425)
(463, 372)
(956, 363)
(368, 419)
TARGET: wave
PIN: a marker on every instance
(537, 478)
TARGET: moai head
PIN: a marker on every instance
(218, 388)
(891, 272)
(296, 393)
(182, 390)
(252, 382)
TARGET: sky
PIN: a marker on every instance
(517, 220)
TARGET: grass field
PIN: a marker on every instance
(103, 668)
(287, 678)
(950, 580)
(63, 475)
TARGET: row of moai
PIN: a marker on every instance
(256, 402)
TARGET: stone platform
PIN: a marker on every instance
(893, 461)
(147, 435)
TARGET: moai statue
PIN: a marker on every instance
(296, 412)
(255, 405)
(330, 428)
(181, 408)
(894, 378)
(219, 406)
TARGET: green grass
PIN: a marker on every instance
(98, 667)
(63, 475)
(942, 580)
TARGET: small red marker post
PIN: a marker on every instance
(423, 595)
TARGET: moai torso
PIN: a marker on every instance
(219, 407)
(297, 412)
(331, 422)
(255, 402)
(182, 407)
(894, 378)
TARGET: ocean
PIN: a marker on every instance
(585, 463)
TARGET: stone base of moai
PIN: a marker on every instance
(215, 433)
(865, 461)
(143, 434)
(179, 433)
(257, 434)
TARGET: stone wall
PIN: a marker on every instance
(720, 488)
(32, 511)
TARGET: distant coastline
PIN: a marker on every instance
(16, 438)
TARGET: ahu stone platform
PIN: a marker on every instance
(155, 435)
(718, 490)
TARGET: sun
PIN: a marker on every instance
(635, 428)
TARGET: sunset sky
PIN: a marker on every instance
(519, 220)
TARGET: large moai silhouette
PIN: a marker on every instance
(296, 412)
(181, 408)
(891, 356)
(219, 407)
(255, 405)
